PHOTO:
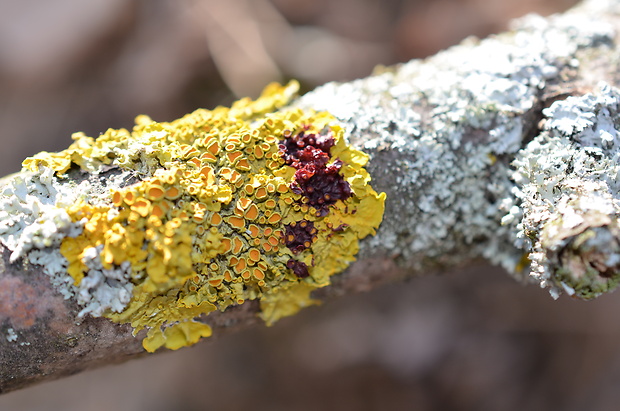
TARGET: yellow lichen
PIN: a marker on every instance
(204, 229)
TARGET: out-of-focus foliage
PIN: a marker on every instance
(70, 65)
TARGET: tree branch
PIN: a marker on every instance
(441, 135)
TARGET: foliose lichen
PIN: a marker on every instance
(224, 206)
(567, 197)
(439, 132)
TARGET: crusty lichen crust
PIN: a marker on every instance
(226, 205)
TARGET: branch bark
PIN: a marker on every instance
(504, 149)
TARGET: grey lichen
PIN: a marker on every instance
(568, 196)
(29, 217)
(34, 220)
(103, 289)
(441, 132)
(55, 266)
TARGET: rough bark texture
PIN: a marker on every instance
(442, 134)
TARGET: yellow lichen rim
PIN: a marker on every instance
(204, 229)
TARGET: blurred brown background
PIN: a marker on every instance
(469, 341)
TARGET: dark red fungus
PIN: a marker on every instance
(300, 269)
(292, 145)
(317, 181)
(298, 236)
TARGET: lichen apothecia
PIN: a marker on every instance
(222, 206)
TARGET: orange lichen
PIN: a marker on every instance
(243, 164)
(226, 245)
(236, 222)
(254, 230)
(208, 157)
(254, 254)
(214, 147)
(252, 212)
(243, 203)
(158, 211)
(258, 274)
(274, 218)
(129, 197)
(233, 155)
(155, 193)
(258, 152)
(261, 193)
(274, 240)
(237, 245)
(216, 219)
(142, 206)
(117, 199)
(173, 193)
(240, 266)
(216, 282)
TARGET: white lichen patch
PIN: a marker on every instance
(568, 197)
(55, 266)
(34, 221)
(103, 289)
(11, 335)
(439, 131)
(29, 218)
